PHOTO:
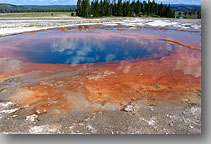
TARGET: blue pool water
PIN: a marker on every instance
(88, 47)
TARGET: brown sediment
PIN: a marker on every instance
(61, 29)
(2, 76)
(116, 83)
(177, 42)
(41, 98)
(143, 80)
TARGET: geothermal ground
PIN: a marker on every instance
(159, 95)
(26, 22)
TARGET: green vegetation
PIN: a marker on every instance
(102, 8)
(189, 14)
(119, 8)
(38, 14)
(9, 8)
(187, 11)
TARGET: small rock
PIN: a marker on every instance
(171, 124)
(31, 117)
(190, 126)
(128, 108)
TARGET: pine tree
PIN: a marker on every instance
(119, 8)
(85, 8)
(199, 14)
(78, 9)
(126, 8)
(154, 7)
(106, 7)
(111, 8)
(132, 8)
(95, 8)
(149, 11)
(138, 8)
(123, 8)
(114, 10)
(88, 14)
(145, 8)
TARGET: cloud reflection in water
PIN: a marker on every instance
(96, 48)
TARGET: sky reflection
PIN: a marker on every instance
(94, 49)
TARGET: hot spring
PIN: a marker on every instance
(88, 46)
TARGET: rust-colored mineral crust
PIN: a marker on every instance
(62, 87)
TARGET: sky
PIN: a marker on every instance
(73, 2)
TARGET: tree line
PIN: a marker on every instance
(8, 8)
(100, 8)
(190, 13)
(21, 11)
